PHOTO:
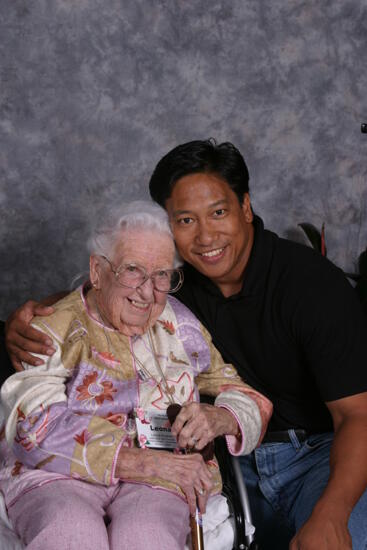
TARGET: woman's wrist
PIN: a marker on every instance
(230, 424)
(133, 463)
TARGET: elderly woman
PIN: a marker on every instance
(90, 461)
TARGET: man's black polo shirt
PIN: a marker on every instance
(296, 331)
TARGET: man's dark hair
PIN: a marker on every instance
(199, 156)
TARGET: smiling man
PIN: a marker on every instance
(292, 326)
(217, 238)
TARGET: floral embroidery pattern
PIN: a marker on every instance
(26, 438)
(106, 358)
(83, 437)
(184, 380)
(168, 326)
(119, 419)
(143, 441)
(94, 391)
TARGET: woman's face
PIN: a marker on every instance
(131, 311)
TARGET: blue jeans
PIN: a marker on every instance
(284, 481)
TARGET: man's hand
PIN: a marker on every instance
(198, 423)
(327, 527)
(21, 339)
(321, 532)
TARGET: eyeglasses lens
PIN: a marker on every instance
(165, 280)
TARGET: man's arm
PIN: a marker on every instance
(327, 528)
(22, 340)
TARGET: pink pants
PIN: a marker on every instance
(72, 515)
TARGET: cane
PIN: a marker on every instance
(196, 523)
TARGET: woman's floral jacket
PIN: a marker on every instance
(69, 417)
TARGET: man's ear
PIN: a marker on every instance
(246, 208)
(95, 271)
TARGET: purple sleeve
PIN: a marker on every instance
(80, 445)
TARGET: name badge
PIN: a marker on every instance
(154, 430)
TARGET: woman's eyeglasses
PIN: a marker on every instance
(133, 276)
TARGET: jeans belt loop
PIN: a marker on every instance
(294, 439)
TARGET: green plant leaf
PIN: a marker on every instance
(313, 235)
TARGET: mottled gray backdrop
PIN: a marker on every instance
(93, 93)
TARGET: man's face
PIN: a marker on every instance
(212, 230)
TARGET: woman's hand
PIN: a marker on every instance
(198, 423)
(21, 339)
(188, 471)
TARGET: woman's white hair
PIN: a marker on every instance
(138, 215)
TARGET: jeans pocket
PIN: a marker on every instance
(316, 441)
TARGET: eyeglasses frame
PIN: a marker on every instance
(116, 273)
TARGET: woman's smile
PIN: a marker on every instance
(143, 306)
